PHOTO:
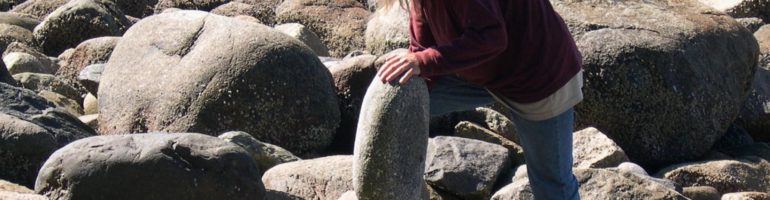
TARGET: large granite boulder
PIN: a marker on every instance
(598, 184)
(77, 21)
(150, 166)
(38, 8)
(391, 141)
(388, 29)
(173, 73)
(31, 130)
(340, 23)
(659, 74)
(320, 178)
(742, 8)
(466, 168)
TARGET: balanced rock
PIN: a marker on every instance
(304, 34)
(38, 8)
(18, 19)
(150, 166)
(352, 76)
(725, 175)
(746, 196)
(90, 77)
(652, 68)
(18, 62)
(391, 141)
(265, 14)
(46, 82)
(388, 29)
(598, 184)
(92, 51)
(466, 168)
(320, 178)
(30, 130)
(340, 24)
(265, 155)
(592, 149)
(741, 8)
(173, 73)
(78, 21)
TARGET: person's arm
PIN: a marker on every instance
(484, 37)
(420, 36)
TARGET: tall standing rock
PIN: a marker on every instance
(174, 72)
(388, 29)
(77, 21)
(659, 74)
(339, 23)
(150, 166)
(391, 141)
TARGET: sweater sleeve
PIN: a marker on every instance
(420, 36)
(483, 38)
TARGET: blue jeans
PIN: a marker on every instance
(547, 144)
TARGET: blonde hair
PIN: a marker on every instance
(386, 4)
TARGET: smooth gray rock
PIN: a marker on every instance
(598, 184)
(41, 82)
(18, 62)
(320, 178)
(265, 155)
(592, 149)
(352, 76)
(18, 19)
(150, 166)
(30, 130)
(173, 72)
(18, 47)
(38, 8)
(387, 30)
(78, 21)
(735, 137)
(340, 24)
(652, 68)
(750, 174)
(391, 141)
(304, 34)
(464, 167)
(90, 77)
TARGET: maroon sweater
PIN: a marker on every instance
(519, 48)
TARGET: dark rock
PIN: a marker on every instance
(725, 175)
(391, 141)
(90, 52)
(340, 24)
(265, 155)
(466, 168)
(388, 29)
(204, 5)
(736, 136)
(352, 76)
(265, 14)
(755, 113)
(652, 68)
(702, 193)
(30, 130)
(598, 184)
(320, 178)
(41, 82)
(173, 73)
(150, 166)
(304, 34)
(6, 5)
(90, 77)
(38, 8)
(78, 21)
(136, 8)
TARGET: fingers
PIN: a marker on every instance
(389, 62)
(392, 69)
(406, 76)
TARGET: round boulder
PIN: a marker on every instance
(339, 23)
(77, 21)
(302, 179)
(150, 166)
(664, 79)
(173, 72)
